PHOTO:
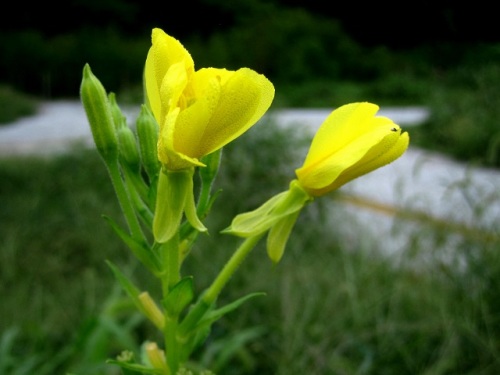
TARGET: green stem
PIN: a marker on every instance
(230, 268)
(125, 203)
(138, 199)
(171, 344)
(210, 295)
(170, 264)
(171, 276)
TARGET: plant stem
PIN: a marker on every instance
(230, 268)
(125, 202)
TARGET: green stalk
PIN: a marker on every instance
(171, 344)
(210, 295)
(124, 200)
(171, 276)
(230, 268)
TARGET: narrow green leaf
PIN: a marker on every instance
(216, 314)
(179, 297)
(126, 284)
(141, 369)
(140, 250)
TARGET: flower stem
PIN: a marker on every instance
(125, 202)
(230, 268)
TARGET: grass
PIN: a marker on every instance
(334, 305)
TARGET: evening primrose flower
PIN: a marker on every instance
(198, 112)
(351, 142)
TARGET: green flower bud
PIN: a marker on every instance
(97, 108)
(118, 117)
(128, 148)
(147, 132)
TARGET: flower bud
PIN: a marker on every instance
(128, 148)
(147, 132)
(97, 108)
(118, 117)
(151, 310)
(156, 357)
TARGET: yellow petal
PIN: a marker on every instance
(350, 143)
(164, 52)
(372, 162)
(340, 128)
(167, 154)
(191, 126)
(320, 173)
(245, 97)
(171, 89)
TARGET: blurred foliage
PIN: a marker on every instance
(14, 104)
(52, 67)
(293, 46)
(465, 116)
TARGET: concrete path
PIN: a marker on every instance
(419, 186)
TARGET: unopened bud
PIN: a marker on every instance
(118, 117)
(156, 356)
(147, 132)
(96, 105)
(128, 148)
(152, 311)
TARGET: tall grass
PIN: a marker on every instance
(331, 307)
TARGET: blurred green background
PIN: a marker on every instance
(334, 305)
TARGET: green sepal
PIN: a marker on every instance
(170, 201)
(179, 297)
(278, 236)
(175, 196)
(284, 204)
(140, 250)
(191, 211)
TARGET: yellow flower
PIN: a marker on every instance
(199, 111)
(351, 142)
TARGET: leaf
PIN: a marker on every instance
(215, 315)
(141, 369)
(128, 286)
(139, 249)
(179, 297)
